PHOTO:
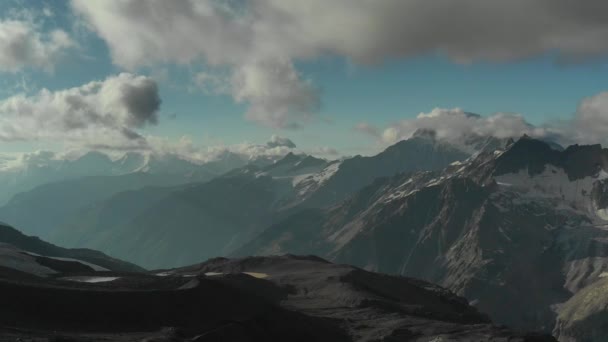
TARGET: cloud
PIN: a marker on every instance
(325, 151)
(590, 122)
(22, 45)
(276, 94)
(98, 113)
(276, 141)
(453, 124)
(187, 32)
(368, 129)
(260, 41)
(588, 125)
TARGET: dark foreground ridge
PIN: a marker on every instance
(287, 298)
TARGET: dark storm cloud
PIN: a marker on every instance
(142, 101)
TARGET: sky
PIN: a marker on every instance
(332, 77)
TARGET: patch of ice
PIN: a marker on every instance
(93, 266)
(298, 179)
(603, 214)
(312, 181)
(253, 274)
(87, 279)
(554, 184)
(257, 275)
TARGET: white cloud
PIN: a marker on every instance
(325, 151)
(368, 129)
(100, 113)
(23, 45)
(276, 94)
(453, 124)
(590, 122)
(259, 40)
(588, 125)
(276, 140)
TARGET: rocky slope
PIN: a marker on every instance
(584, 317)
(254, 299)
(523, 228)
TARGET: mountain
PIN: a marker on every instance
(285, 298)
(89, 225)
(422, 152)
(181, 225)
(42, 168)
(56, 203)
(213, 219)
(32, 255)
(584, 317)
(522, 227)
(105, 178)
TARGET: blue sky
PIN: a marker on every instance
(538, 86)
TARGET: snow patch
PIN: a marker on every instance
(305, 183)
(253, 274)
(553, 183)
(93, 266)
(86, 279)
(603, 214)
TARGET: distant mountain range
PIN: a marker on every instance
(61, 187)
(186, 224)
(45, 167)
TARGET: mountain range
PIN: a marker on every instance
(518, 231)
(288, 298)
(186, 224)
(41, 168)
(517, 227)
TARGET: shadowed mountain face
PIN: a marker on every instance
(35, 251)
(285, 298)
(521, 229)
(56, 203)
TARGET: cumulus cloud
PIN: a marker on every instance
(453, 124)
(23, 45)
(588, 125)
(259, 40)
(104, 113)
(590, 122)
(276, 140)
(276, 94)
(219, 35)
